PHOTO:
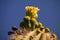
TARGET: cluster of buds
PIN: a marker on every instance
(31, 29)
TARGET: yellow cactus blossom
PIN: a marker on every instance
(32, 9)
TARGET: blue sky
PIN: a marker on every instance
(13, 11)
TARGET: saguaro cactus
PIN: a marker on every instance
(31, 29)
